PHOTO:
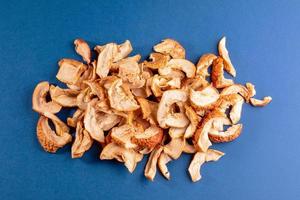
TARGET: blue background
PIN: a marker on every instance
(263, 39)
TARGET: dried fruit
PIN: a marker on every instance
(158, 60)
(231, 134)
(151, 137)
(150, 169)
(83, 49)
(82, 142)
(162, 165)
(51, 140)
(264, 102)
(64, 97)
(204, 63)
(205, 98)
(121, 98)
(199, 159)
(164, 107)
(178, 64)
(224, 54)
(170, 47)
(217, 74)
(70, 70)
(39, 101)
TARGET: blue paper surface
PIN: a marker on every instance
(263, 41)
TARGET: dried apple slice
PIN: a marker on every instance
(170, 47)
(178, 64)
(39, 102)
(217, 74)
(205, 98)
(105, 59)
(199, 159)
(201, 139)
(194, 120)
(64, 97)
(82, 142)
(83, 49)
(204, 63)
(177, 120)
(237, 89)
(121, 98)
(51, 140)
(123, 135)
(251, 89)
(149, 109)
(70, 70)
(224, 54)
(77, 116)
(121, 154)
(169, 97)
(229, 135)
(123, 51)
(96, 122)
(151, 137)
(150, 169)
(162, 165)
(175, 147)
(158, 60)
(264, 102)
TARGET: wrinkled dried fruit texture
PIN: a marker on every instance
(51, 140)
(196, 83)
(77, 116)
(264, 102)
(123, 51)
(201, 139)
(229, 135)
(199, 159)
(95, 122)
(121, 98)
(121, 154)
(64, 97)
(70, 70)
(130, 73)
(170, 47)
(39, 102)
(235, 101)
(158, 60)
(88, 75)
(175, 147)
(205, 98)
(204, 63)
(178, 64)
(151, 137)
(83, 49)
(237, 89)
(217, 74)
(194, 120)
(82, 142)
(251, 89)
(160, 83)
(149, 109)
(169, 97)
(134, 107)
(105, 59)
(83, 98)
(123, 135)
(224, 54)
(97, 89)
(162, 165)
(150, 169)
